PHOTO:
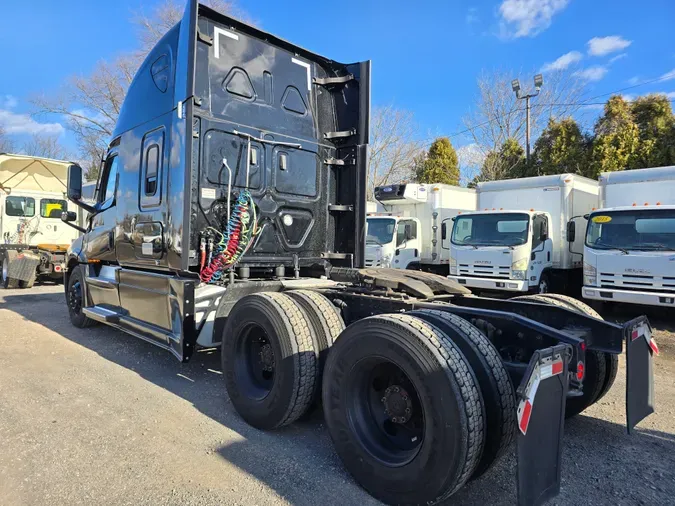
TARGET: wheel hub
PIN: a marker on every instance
(267, 357)
(397, 404)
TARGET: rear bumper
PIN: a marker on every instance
(629, 296)
(507, 285)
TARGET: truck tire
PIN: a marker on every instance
(327, 325)
(611, 360)
(403, 447)
(74, 299)
(269, 359)
(8, 282)
(601, 367)
(493, 380)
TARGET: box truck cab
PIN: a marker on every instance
(523, 239)
(410, 233)
(629, 254)
(392, 241)
(505, 250)
(33, 239)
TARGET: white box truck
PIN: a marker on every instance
(33, 239)
(518, 240)
(408, 234)
(629, 255)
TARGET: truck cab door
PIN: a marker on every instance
(100, 239)
(542, 248)
(408, 244)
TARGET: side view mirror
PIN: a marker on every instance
(408, 232)
(74, 182)
(75, 191)
(571, 231)
(67, 216)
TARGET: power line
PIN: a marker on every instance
(572, 104)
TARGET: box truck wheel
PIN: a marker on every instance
(403, 408)
(269, 359)
(601, 368)
(74, 299)
(8, 282)
(493, 380)
(544, 285)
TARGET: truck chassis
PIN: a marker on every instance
(423, 385)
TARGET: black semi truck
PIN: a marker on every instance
(231, 212)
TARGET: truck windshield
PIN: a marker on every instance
(380, 230)
(502, 229)
(647, 230)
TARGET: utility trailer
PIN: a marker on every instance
(33, 240)
(231, 212)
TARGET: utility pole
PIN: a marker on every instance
(515, 84)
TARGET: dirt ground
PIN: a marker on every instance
(96, 416)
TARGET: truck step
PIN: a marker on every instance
(101, 314)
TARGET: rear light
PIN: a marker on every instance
(583, 346)
(580, 370)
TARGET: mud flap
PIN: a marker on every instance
(22, 265)
(640, 348)
(541, 415)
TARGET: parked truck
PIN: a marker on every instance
(518, 241)
(231, 212)
(33, 240)
(407, 235)
(629, 254)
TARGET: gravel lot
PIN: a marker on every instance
(96, 416)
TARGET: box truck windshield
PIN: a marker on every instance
(641, 230)
(504, 229)
(380, 231)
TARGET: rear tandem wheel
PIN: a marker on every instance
(601, 368)
(404, 409)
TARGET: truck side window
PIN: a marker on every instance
(400, 233)
(109, 182)
(20, 206)
(151, 169)
(539, 226)
(52, 208)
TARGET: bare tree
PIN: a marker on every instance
(498, 116)
(91, 104)
(393, 147)
(6, 144)
(45, 146)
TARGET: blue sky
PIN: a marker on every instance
(426, 55)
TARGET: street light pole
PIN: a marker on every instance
(515, 84)
(527, 131)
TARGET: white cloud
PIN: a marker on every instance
(600, 46)
(594, 107)
(14, 123)
(470, 155)
(634, 80)
(592, 73)
(563, 62)
(668, 76)
(618, 57)
(472, 16)
(9, 102)
(527, 18)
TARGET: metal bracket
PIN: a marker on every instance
(332, 81)
(338, 161)
(340, 208)
(201, 37)
(340, 135)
